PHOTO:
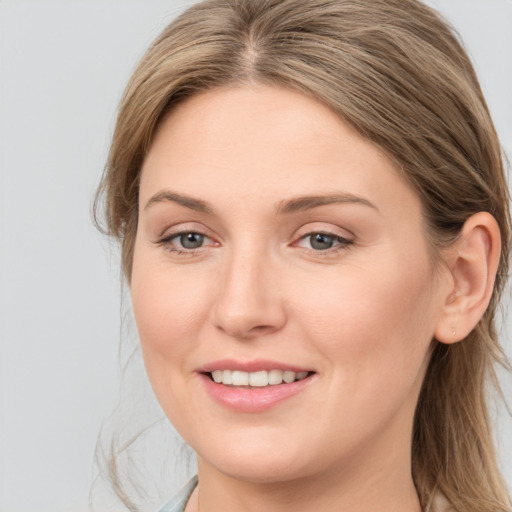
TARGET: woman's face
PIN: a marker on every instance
(276, 243)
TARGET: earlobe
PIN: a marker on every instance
(473, 265)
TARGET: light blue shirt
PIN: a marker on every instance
(179, 502)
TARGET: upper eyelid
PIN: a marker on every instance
(176, 234)
(313, 227)
(173, 234)
(337, 232)
(184, 227)
(325, 233)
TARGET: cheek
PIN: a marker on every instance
(372, 320)
(162, 315)
(168, 313)
(374, 330)
(169, 309)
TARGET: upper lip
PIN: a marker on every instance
(250, 366)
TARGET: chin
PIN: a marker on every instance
(260, 470)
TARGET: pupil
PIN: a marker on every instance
(191, 240)
(321, 242)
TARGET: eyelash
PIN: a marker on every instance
(342, 243)
(167, 243)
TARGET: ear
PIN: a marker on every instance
(472, 261)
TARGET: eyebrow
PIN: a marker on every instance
(304, 203)
(181, 199)
(296, 204)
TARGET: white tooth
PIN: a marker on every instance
(275, 377)
(258, 379)
(301, 375)
(227, 377)
(217, 376)
(240, 378)
(288, 377)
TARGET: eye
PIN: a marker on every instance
(185, 242)
(190, 240)
(323, 241)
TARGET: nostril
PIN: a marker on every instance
(246, 332)
(262, 328)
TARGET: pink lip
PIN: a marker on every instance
(250, 366)
(251, 400)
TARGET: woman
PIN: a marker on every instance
(315, 228)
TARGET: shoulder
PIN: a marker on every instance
(178, 503)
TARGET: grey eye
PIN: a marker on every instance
(191, 240)
(321, 242)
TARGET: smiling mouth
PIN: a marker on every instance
(257, 379)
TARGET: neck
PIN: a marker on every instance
(358, 486)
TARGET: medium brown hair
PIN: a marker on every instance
(396, 72)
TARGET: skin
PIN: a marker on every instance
(361, 315)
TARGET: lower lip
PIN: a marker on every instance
(253, 399)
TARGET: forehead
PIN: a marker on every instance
(263, 143)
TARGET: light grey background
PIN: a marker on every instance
(63, 65)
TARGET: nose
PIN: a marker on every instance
(249, 302)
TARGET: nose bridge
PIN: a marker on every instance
(248, 302)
